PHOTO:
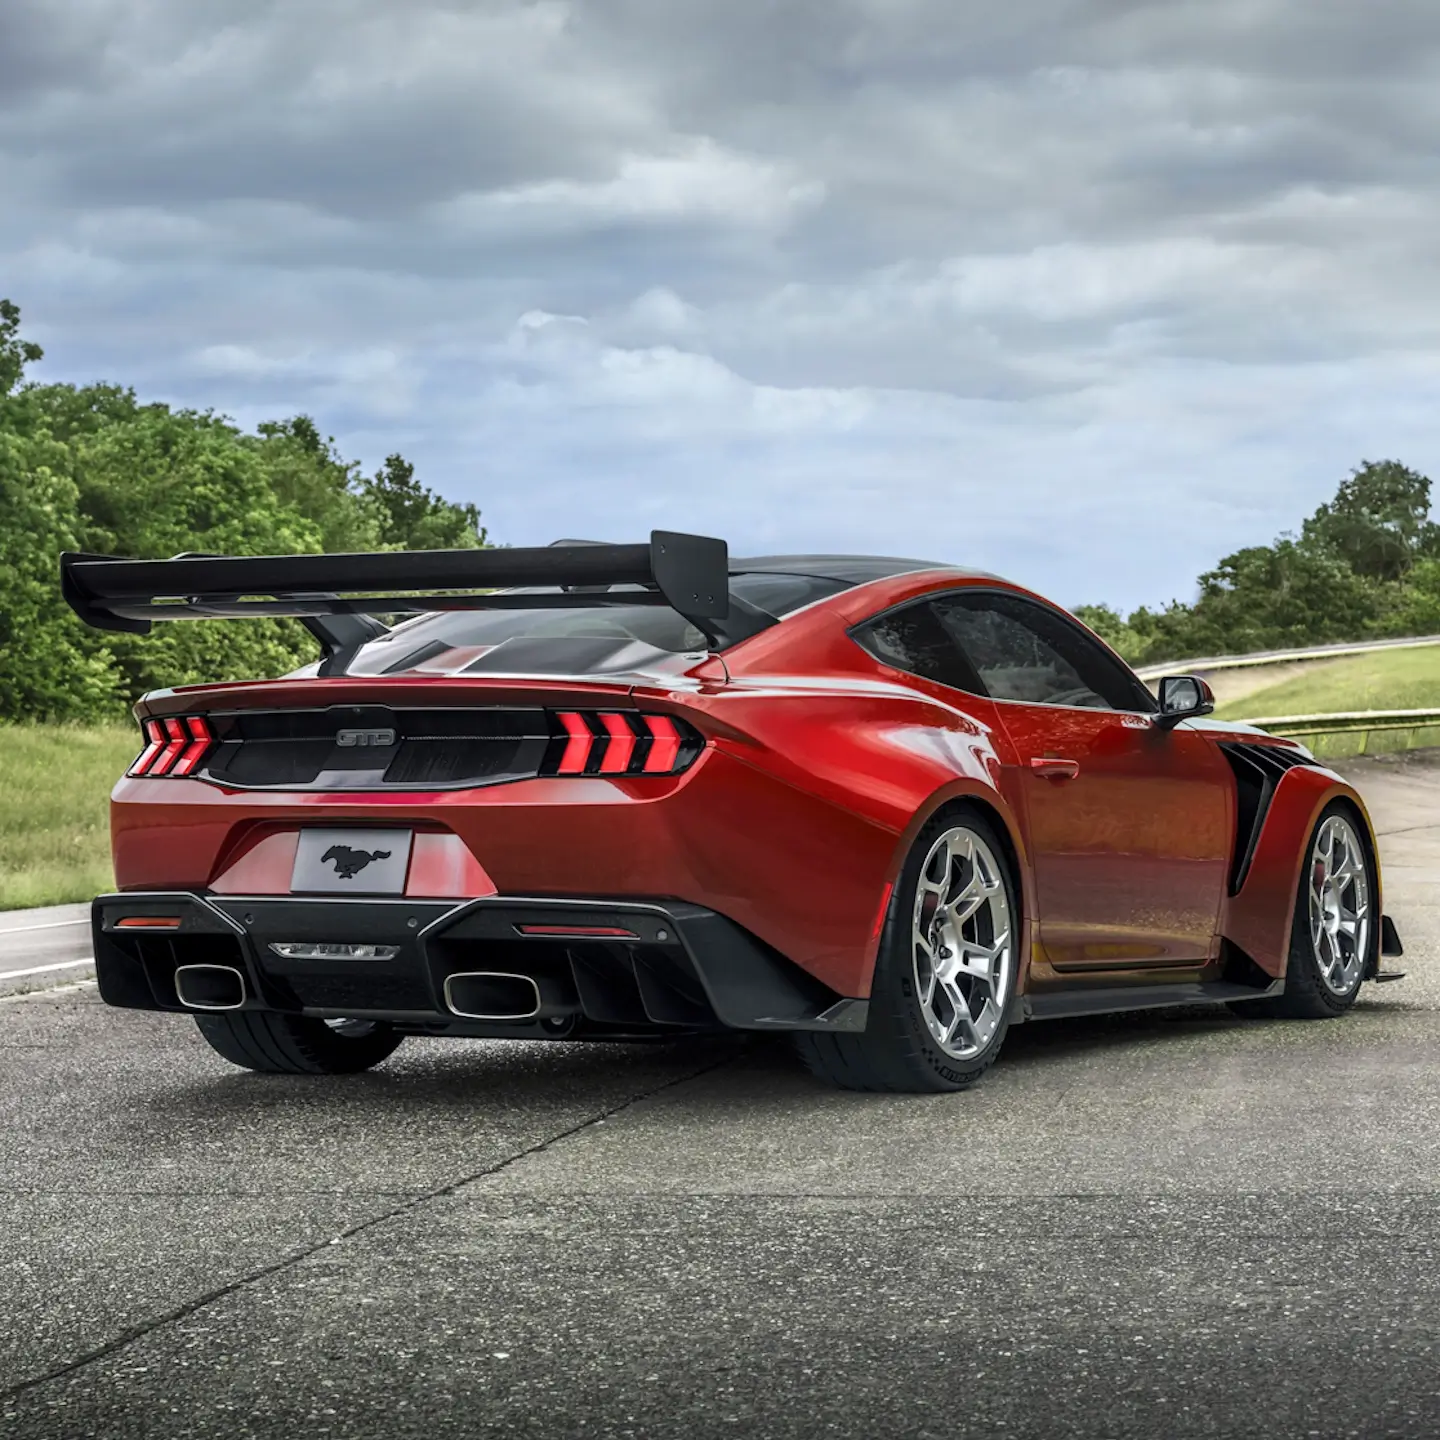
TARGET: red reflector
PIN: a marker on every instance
(613, 932)
(175, 737)
(577, 747)
(154, 744)
(148, 922)
(200, 741)
(665, 745)
(621, 746)
(884, 908)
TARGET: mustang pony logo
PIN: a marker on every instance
(349, 863)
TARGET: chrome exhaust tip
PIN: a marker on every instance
(492, 995)
(210, 987)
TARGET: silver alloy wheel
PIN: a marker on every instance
(1339, 888)
(963, 949)
(352, 1029)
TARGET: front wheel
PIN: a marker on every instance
(946, 970)
(298, 1044)
(1334, 935)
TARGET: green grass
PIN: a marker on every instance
(55, 784)
(1385, 680)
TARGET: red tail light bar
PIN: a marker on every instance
(583, 932)
(620, 742)
(176, 745)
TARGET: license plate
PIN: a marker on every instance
(352, 862)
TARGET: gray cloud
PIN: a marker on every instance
(1085, 291)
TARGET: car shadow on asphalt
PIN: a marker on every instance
(461, 1076)
(452, 1080)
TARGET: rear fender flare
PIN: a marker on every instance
(994, 807)
(1258, 919)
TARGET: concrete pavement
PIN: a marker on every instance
(1173, 1224)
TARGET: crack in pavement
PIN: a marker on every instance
(55, 990)
(8, 1192)
(190, 1307)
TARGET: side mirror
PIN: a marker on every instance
(1181, 698)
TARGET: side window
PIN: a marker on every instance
(1025, 651)
(914, 640)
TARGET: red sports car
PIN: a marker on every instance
(592, 792)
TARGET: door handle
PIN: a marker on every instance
(1051, 767)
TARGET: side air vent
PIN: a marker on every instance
(1258, 769)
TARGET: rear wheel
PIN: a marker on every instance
(1334, 933)
(945, 973)
(298, 1044)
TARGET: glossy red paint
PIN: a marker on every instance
(442, 867)
(260, 865)
(1130, 847)
(821, 765)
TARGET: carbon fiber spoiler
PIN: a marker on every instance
(689, 573)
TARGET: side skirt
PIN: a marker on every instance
(1111, 999)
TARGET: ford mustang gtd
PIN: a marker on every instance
(592, 792)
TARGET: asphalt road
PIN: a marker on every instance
(1169, 1225)
(42, 949)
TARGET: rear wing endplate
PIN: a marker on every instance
(689, 573)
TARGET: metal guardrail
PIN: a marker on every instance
(1207, 664)
(1361, 722)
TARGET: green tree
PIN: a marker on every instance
(1379, 521)
(50, 666)
(1365, 563)
(171, 481)
(414, 518)
(309, 476)
(92, 468)
(15, 353)
(1112, 628)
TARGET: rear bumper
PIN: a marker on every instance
(663, 965)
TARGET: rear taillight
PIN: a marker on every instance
(620, 742)
(176, 745)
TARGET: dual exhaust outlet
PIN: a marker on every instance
(210, 987)
(492, 995)
(499, 996)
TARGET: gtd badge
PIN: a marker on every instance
(353, 739)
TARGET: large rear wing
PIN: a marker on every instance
(689, 573)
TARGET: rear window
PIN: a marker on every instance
(570, 642)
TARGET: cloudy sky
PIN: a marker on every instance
(1086, 292)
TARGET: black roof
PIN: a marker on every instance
(849, 569)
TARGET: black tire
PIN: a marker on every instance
(896, 1052)
(295, 1044)
(1306, 995)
